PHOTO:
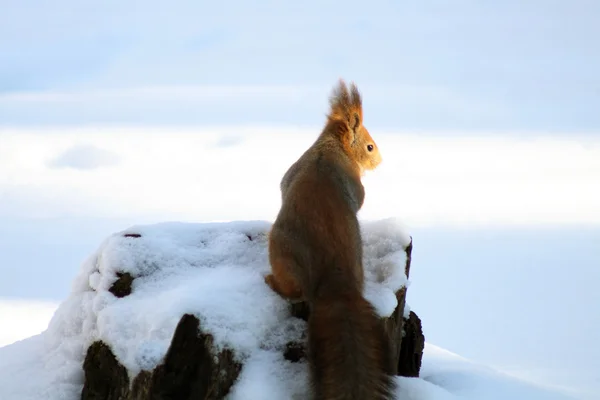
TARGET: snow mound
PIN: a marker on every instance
(464, 379)
(212, 270)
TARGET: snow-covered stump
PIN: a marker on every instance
(181, 311)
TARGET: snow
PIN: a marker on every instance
(467, 380)
(212, 270)
(215, 271)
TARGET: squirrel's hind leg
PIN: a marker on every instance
(285, 287)
(282, 281)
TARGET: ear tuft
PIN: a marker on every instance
(346, 105)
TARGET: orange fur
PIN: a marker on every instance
(315, 251)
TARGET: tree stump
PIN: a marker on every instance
(194, 369)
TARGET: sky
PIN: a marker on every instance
(121, 113)
(469, 65)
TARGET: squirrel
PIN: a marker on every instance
(316, 255)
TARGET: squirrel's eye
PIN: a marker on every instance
(370, 147)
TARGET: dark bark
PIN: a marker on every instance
(122, 286)
(413, 344)
(105, 378)
(192, 369)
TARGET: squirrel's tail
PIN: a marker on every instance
(348, 354)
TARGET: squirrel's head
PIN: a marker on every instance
(346, 120)
(366, 152)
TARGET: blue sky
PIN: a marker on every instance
(469, 65)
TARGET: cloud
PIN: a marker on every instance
(85, 157)
(228, 141)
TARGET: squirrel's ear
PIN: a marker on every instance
(355, 122)
(354, 125)
(346, 109)
(349, 127)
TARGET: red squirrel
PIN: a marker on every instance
(315, 253)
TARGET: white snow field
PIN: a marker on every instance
(215, 271)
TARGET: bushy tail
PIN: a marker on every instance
(347, 349)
